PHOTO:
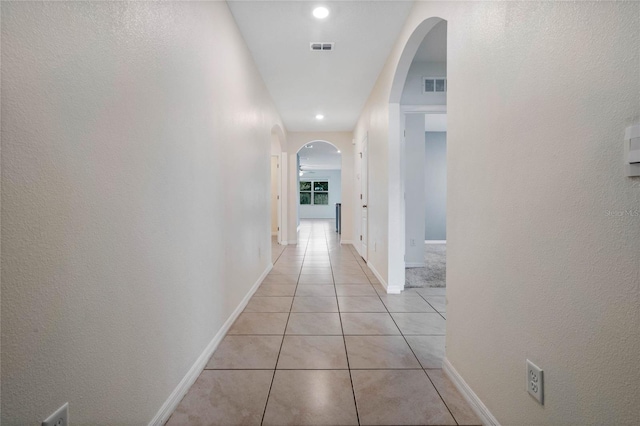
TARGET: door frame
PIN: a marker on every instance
(397, 214)
(364, 198)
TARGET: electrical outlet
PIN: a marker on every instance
(59, 418)
(535, 382)
(412, 242)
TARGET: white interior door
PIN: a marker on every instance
(279, 199)
(364, 197)
(276, 198)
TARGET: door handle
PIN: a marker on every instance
(364, 206)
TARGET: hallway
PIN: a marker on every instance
(321, 342)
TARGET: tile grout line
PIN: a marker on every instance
(432, 307)
(344, 341)
(440, 395)
(417, 359)
(284, 333)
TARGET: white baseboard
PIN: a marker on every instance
(346, 242)
(189, 379)
(414, 264)
(469, 395)
(384, 284)
(435, 241)
(274, 234)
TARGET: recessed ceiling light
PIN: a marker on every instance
(338, 151)
(320, 12)
(319, 117)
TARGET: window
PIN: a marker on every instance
(314, 192)
(434, 84)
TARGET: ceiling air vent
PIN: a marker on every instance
(319, 46)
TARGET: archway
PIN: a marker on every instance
(318, 181)
(397, 150)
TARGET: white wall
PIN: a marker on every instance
(415, 202)
(413, 88)
(342, 141)
(435, 181)
(535, 267)
(135, 200)
(335, 194)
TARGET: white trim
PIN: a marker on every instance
(415, 265)
(469, 395)
(435, 241)
(396, 215)
(424, 109)
(347, 242)
(187, 381)
(384, 284)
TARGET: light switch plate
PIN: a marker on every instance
(59, 418)
(632, 150)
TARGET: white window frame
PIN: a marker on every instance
(313, 180)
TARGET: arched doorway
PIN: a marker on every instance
(406, 115)
(318, 181)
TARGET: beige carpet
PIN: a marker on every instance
(434, 274)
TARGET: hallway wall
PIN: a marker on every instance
(342, 140)
(415, 195)
(128, 235)
(538, 266)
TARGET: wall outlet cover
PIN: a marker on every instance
(535, 382)
(59, 418)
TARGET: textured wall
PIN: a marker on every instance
(539, 265)
(128, 234)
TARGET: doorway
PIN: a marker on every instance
(275, 197)
(364, 199)
(426, 198)
(417, 104)
(278, 176)
(319, 181)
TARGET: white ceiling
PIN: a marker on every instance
(322, 156)
(434, 46)
(305, 83)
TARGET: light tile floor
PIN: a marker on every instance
(321, 342)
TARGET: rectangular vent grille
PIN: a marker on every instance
(434, 85)
(321, 46)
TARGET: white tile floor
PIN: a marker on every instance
(322, 343)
